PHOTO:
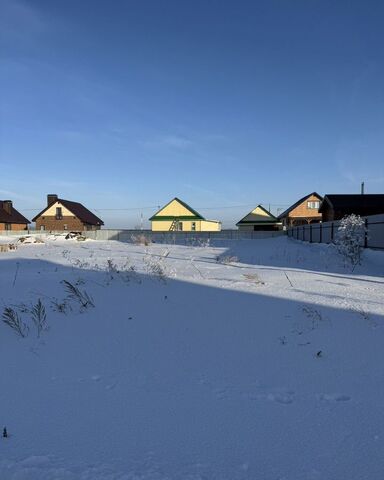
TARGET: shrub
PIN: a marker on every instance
(226, 259)
(141, 240)
(39, 317)
(155, 267)
(80, 296)
(13, 320)
(350, 238)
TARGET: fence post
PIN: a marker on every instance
(366, 233)
(321, 233)
(310, 233)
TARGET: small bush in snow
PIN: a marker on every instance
(112, 268)
(198, 242)
(126, 272)
(60, 306)
(13, 320)
(350, 238)
(81, 296)
(39, 317)
(141, 240)
(155, 267)
(226, 259)
(81, 264)
(129, 272)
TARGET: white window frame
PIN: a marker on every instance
(313, 205)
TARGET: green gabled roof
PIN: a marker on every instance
(255, 218)
(195, 215)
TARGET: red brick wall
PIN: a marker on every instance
(15, 226)
(51, 223)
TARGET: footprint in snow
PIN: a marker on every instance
(221, 393)
(284, 398)
(334, 397)
(111, 386)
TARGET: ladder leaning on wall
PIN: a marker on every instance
(174, 225)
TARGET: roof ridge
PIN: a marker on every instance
(273, 217)
(184, 204)
(294, 205)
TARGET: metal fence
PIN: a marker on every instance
(326, 232)
(131, 236)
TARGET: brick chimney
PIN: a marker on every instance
(7, 206)
(51, 198)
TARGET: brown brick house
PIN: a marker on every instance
(10, 218)
(336, 206)
(303, 212)
(60, 215)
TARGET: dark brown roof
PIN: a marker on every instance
(355, 203)
(13, 217)
(82, 213)
(292, 207)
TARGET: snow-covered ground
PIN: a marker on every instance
(267, 364)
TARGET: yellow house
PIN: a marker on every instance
(178, 216)
(259, 219)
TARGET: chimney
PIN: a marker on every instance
(7, 206)
(51, 199)
(362, 188)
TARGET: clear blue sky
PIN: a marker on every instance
(128, 103)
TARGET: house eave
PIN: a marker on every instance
(164, 218)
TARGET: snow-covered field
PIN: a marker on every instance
(266, 366)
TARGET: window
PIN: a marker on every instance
(59, 213)
(313, 205)
(193, 226)
(65, 226)
(180, 226)
(42, 227)
(8, 226)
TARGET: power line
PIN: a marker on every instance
(157, 207)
